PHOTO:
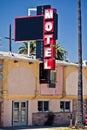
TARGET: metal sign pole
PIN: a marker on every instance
(29, 13)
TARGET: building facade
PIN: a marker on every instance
(28, 93)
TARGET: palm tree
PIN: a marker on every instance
(33, 47)
(79, 115)
(24, 48)
(60, 52)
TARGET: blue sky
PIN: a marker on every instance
(67, 23)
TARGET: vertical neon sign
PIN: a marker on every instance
(49, 40)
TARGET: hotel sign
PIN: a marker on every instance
(49, 40)
(41, 28)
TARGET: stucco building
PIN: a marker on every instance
(28, 94)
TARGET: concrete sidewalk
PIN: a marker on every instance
(35, 128)
(40, 128)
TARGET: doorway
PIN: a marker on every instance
(20, 113)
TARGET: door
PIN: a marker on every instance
(20, 113)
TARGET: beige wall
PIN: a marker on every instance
(7, 113)
(33, 105)
(54, 105)
(71, 84)
(84, 85)
(21, 82)
(32, 108)
(20, 79)
(71, 81)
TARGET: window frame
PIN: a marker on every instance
(43, 107)
(43, 74)
(1, 66)
(52, 79)
(65, 106)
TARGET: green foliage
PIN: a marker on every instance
(24, 48)
(32, 46)
(60, 52)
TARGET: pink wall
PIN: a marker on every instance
(44, 88)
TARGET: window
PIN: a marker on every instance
(19, 112)
(65, 106)
(52, 81)
(43, 74)
(43, 106)
(1, 76)
(1, 66)
(47, 76)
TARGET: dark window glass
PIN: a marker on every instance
(40, 106)
(62, 105)
(46, 106)
(43, 106)
(44, 74)
(65, 106)
(47, 76)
